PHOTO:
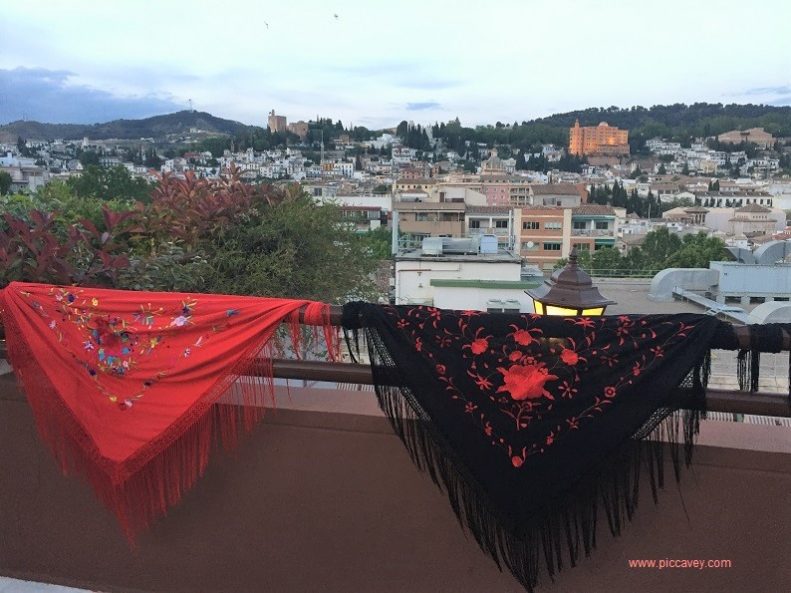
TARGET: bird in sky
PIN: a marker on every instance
(336, 15)
(267, 24)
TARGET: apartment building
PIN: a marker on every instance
(544, 234)
(417, 220)
(490, 220)
(593, 226)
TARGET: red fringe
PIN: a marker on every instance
(167, 468)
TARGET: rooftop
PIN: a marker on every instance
(593, 209)
(501, 257)
(555, 189)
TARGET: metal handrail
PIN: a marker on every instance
(718, 400)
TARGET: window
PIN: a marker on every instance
(475, 224)
(553, 225)
(501, 224)
(580, 225)
(421, 216)
(602, 225)
(530, 226)
(582, 246)
(551, 246)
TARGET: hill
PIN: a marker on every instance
(128, 129)
(679, 122)
(696, 120)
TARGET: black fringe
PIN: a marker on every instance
(566, 527)
(763, 338)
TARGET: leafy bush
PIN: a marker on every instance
(193, 235)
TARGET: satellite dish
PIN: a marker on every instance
(530, 245)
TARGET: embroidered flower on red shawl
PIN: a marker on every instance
(569, 357)
(526, 382)
(609, 391)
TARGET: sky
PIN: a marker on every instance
(375, 63)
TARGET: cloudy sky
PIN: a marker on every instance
(379, 62)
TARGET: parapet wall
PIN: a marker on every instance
(321, 499)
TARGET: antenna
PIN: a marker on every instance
(191, 109)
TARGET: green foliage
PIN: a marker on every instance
(168, 268)
(413, 137)
(295, 248)
(215, 145)
(661, 249)
(696, 252)
(659, 245)
(89, 158)
(109, 183)
(194, 235)
(378, 242)
(5, 183)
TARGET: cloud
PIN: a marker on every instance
(781, 101)
(406, 73)
(429, 84)
(422, 106)
(48, 96)
(769, 90)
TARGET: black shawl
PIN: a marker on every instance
(532, 424)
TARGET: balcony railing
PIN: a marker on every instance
(718, 400)
(488, 231)
(593, 233)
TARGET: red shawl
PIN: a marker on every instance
(125, 386)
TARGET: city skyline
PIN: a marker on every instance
(86, 62)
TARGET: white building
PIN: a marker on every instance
(473, 281)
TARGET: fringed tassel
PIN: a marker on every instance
(763, 338)
(567, 527)
(316, 315)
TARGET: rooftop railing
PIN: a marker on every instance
(718, 399)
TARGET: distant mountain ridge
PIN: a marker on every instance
(697, 119)
(127, 129)
(677, 120)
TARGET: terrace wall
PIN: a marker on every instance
(322, 497)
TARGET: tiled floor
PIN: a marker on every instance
(16, 586)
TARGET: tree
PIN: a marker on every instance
(109, 183)
(88, 158)
(607, 261)
(658, 246)
(697, 251)
(295, 248)
(5, 183)
(152, 159)
(662, 170)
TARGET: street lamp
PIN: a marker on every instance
(569, 292)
